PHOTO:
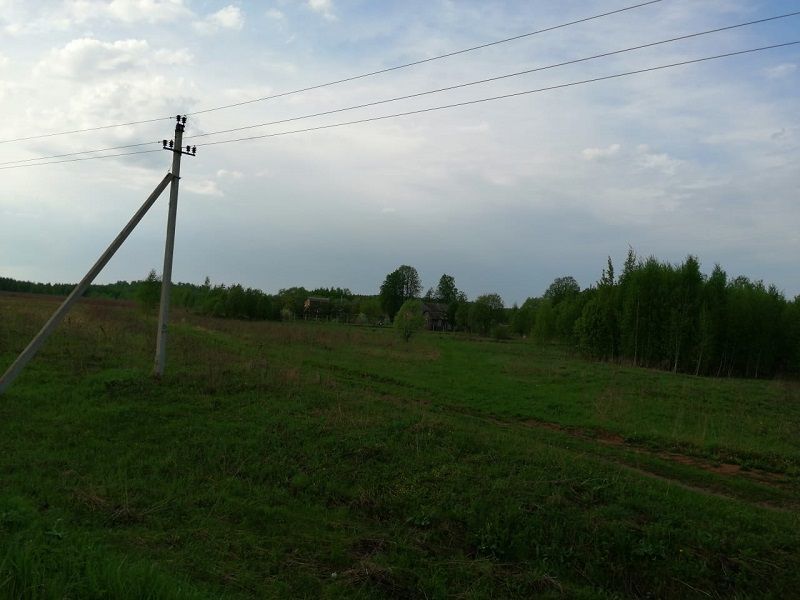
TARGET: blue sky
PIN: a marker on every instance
(505, 196)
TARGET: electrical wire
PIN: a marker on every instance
(491, 79)
(424, 60)
(26, 160)
(503, 96)
(428, 92)
(338, 81)
(55, 162)
(443, 107)
(85, 130)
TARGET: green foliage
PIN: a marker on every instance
(486, 312)
(446, 290)
(501, 332)
(315, 460)
(593, 330)
(43, 557)
(523, 320)
(655, 314)
(675, 318)
(371, 307)
(462, 315)
(409, 319)
(400, 285)
(562, 289)
(148, 292)
(544, 326)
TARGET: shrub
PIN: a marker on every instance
(409, 318)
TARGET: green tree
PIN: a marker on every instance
(400, 285)
(409, 318)
(522, 321)
(487, 311)
(544, 324)
(593, 330)
(293, 299)
(461, 315)
(562, 289)
(446, 291)
(235, 302)
(371, 307)
(148, 292)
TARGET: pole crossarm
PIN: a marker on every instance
(33, 347)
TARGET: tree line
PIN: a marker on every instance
(672, 317)
(654, 314)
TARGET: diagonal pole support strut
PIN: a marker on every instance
(30, 351)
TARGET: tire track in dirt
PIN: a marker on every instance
(378, 385)
(614, 440)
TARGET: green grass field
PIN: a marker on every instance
(321, 460)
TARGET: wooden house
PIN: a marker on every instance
(435, 315)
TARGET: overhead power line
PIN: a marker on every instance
(27, 160)
(495, 78)
(85, 130)
(428, 92)
(503, 96)
(445, 106)
(338, 81)
(55, 162)
(426, 60)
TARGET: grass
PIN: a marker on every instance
(303, 460)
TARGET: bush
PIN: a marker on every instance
(409, 318)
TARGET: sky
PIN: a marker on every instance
(505, 196)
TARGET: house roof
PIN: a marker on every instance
(436, 310)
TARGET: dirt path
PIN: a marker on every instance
(614, 440)
(780, 484)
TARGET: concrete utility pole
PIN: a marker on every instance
(30, 351)
(166, 276)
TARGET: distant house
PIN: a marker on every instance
(435, 314)
(316, 308)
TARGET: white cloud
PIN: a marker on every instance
(87, 57)
(780, 71)
(323, 7)
(482, 127)
(3, 60)
(658, 161)
(180, 57)
(511, 175)
(205, 187)
(230, 17)
(601, 153)
(127, 11)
